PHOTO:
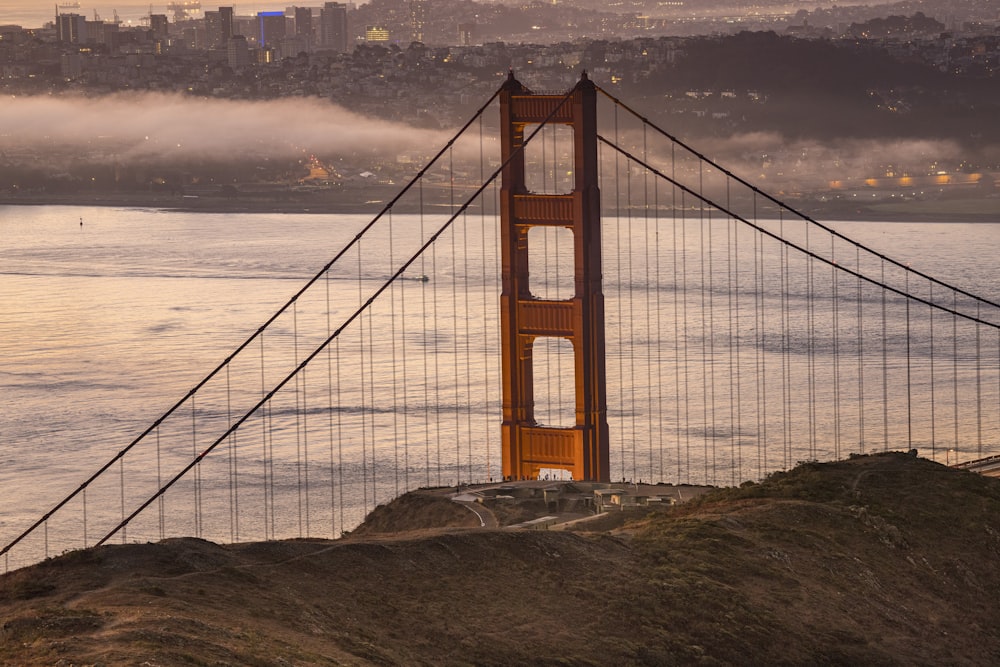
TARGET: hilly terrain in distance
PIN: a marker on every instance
(877, 560)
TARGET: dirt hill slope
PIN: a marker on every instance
(877, 560)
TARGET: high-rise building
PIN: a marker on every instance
(227, 23)
(219, 27)
(418, 18)
(159, 25)
(271, 28)
(213, 29)
(304, 24)
(71, 28)
(333, 26)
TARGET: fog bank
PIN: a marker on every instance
(157, 126)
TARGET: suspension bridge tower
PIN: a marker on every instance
(528, 446)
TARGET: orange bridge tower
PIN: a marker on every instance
(528, 447)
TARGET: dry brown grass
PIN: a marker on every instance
(877, 560)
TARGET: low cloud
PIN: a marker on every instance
(155, 126)
(813, 164)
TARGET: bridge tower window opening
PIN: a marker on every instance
(548, 159)
(554, 382)
(550, 263)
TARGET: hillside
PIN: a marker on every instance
(878, 560)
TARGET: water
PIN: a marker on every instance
(106, 325)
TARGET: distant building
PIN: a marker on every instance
(304, 25)
(193, 37)
(333, 26)
(239, 52)
(418, 19)
(70, 65)
(375, 33)
(71, 28)
(465, 33)
(271, 28)
(159, 25)
(293, 45)
(219, 27)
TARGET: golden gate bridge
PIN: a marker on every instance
(596, 298)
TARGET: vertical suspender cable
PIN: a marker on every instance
(758, 345)
(678, 294)
(930, 314)
(811, 345)
(232, 453)
(236, 480)
(979, 386)
(631, 318)
(298, 415)
(909, 381)
(835, 298)
(404, 390)
(269, 464)
(786, 394)
(393, 291)
(555, 188)
(954, 345)
(263, 437)
(159, 483)
(363, 395)
(763, 340)
(485, 335)
(435, 337)
(371, 398)
(711, 346)
(734, 452)
(684, 326)
(705, 331)
(545, 287)
(330, 407)
(558, 282)
(861, 357)
(657, 426)
(466, 342)
(648, 288)
(454, 322)
(305, 450)
(885, 369)
(340, 439)
(197, 471)
(618, 269)
(735, 309)
(425, 350)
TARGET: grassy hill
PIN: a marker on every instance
(877, 560)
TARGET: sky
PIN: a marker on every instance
(34, 13)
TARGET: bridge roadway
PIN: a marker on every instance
(989, 466)
(559, 503)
